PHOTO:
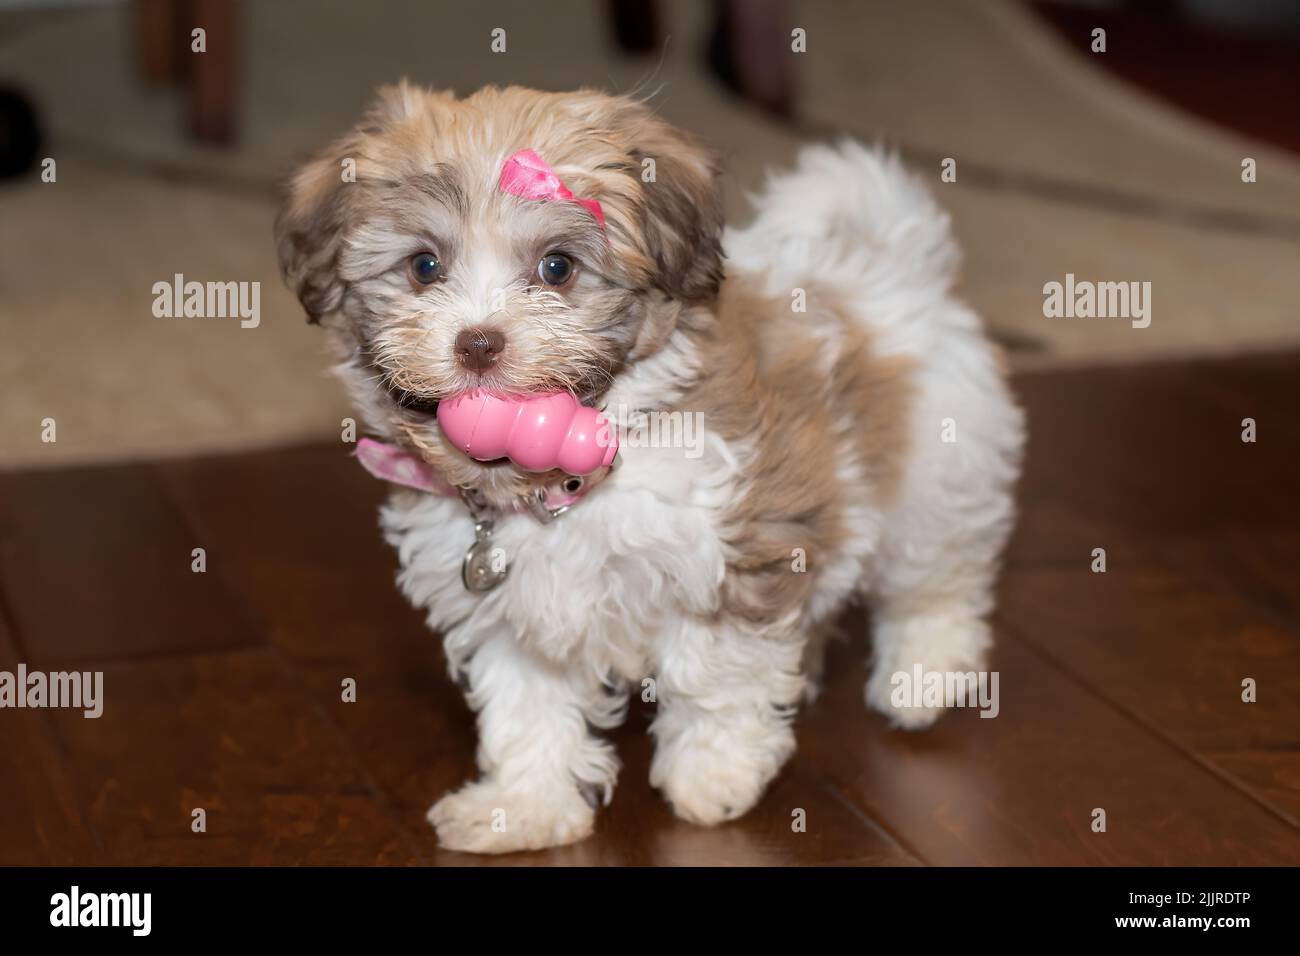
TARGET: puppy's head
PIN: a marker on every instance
(434, 280)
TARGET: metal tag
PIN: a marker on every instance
(483, 569)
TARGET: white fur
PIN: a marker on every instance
(624, 586)
(931, 575)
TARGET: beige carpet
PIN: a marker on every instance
(1059, 170)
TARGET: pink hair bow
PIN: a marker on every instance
(526, 174)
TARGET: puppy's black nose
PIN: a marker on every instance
(478, 349)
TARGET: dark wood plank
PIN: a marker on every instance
(1153, 452)
(1020, 789)
(1173, 652)
(1049, 533)
(96, 566)
(1262, 387)
(1202, 534)
(183, 727)
(41, 818)
(1261, 567)
(229, 733)
(307, 556)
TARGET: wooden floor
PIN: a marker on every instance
(1119, 691)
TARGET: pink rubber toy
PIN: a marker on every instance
(539, 433)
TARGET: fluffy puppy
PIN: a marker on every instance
(858, 437)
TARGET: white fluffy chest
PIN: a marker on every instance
(600, 583)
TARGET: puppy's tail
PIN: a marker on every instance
(847, 214)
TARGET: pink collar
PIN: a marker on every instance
(395, 464)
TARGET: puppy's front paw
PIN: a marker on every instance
(709, 781)
(484, 817)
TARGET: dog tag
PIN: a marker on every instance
(484, 566)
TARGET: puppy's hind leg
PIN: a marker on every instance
(934, 570)
(543, 770)
(932, 594)
(942, 637)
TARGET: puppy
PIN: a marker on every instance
(857, 435)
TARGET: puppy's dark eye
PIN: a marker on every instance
(425, 268)
(555, 269)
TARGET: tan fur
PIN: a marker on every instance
(761, 386)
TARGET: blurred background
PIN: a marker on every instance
(1122, 165)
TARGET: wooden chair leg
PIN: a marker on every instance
(636, 25)
(213, 86)
(760, 52)
(160, 49)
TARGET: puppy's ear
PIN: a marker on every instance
(680, 214)
(308, 231)
(309, 227)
